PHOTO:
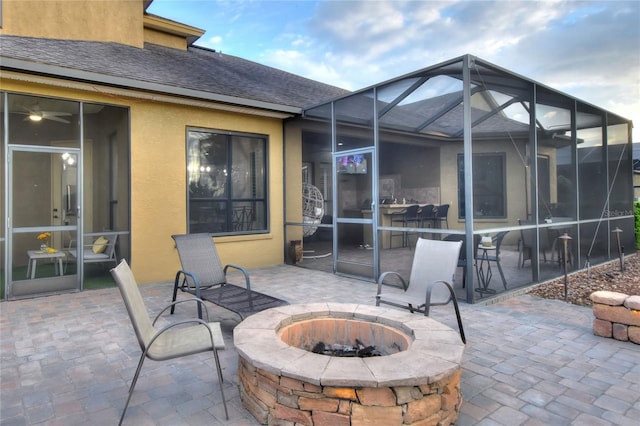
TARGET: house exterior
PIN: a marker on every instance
(115, 124)
(135, 106)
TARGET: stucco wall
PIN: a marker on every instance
(119, 21)
(515, 185)
(158, 181)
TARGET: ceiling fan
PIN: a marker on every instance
(36, 114)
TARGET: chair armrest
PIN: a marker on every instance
(175, 324)
(384, 275)
(191, 299)
(452, 294)
(247, 281)
(196, 281)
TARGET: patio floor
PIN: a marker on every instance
(68, 360)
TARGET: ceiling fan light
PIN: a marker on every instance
(35, 117)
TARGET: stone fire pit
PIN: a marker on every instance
(416, 379)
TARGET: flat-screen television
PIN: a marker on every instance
(352, 164)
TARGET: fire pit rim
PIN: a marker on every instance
(434, 352)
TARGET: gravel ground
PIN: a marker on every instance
(601, 277)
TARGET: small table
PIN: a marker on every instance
(34, 255)
(484, 271)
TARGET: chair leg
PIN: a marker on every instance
(175, 292)
(133, 385)
(520, 255)
(455, 306)
(504, 281)
(458, 317)
(220, 380)
(464, 276)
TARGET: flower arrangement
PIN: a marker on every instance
(44, 237)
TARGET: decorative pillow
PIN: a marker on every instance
(100, 245)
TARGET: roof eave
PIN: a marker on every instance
(20, 65)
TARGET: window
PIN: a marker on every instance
(227, 182)
(489, 197)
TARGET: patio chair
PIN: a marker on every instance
(203, 275)
(462, 258)
(182, 338)
(97, 247)
(442, 215)
(432, 271)
(405, 217)
(495, 256)
(527, 241)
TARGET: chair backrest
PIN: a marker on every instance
(434, 260)
(198, 256)
(463, 248)
(497, 241)
(134, 303)
(428, 212)
(411, 212)
(528, 236)
(443, 211)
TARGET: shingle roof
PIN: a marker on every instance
(196, 69)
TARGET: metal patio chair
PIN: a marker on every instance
(203, 275)
(430, 283)
(181, 338)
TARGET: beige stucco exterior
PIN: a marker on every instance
(158, 187)
(118, 21)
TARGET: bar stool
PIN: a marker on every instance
(406, 216)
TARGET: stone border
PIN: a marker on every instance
(617, 315)
(435, 352)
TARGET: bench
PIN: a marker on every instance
(97, 247)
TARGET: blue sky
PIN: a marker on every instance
(588, 49)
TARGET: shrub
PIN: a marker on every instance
(636, 212)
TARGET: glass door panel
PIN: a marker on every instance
(43, 210)
(356, 250)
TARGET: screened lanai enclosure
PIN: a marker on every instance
(461, 150)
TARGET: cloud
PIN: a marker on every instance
(590, 49)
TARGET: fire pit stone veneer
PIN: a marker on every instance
(283, 382)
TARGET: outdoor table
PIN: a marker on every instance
(34, 255)
(484, 270)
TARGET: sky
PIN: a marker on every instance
(587, 49)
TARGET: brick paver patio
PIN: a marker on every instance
(68, 360)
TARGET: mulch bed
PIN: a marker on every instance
(602, 277)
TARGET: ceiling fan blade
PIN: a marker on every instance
(53, 118)
(55, 113)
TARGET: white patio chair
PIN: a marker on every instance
(181, 338)
(432, 271)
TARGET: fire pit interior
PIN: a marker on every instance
(344, 337)
(344, 364)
